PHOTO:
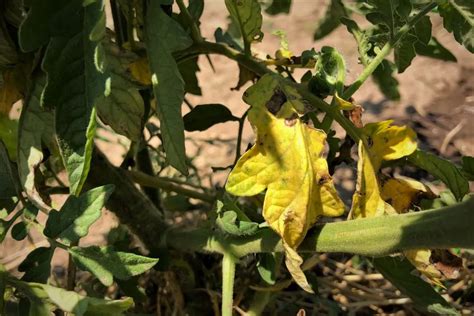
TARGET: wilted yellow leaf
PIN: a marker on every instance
(420, 258)
(403, 192)
(385, 142)
(140, 71)
(287, 161)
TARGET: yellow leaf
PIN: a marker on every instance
(420, 258)
(287, 161)
(385, 142)
(402, 193)
(389, 142)
(343, 104)
(140, 70)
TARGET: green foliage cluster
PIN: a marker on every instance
(75, 76)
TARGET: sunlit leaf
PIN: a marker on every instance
(403, 192)
(78, 213)
(36, 127)
(287, 161)
(247, 15)
(385, 142)
(204, 116)
(164, 36)
(122, 108)
(458, 18)
(73, 65)
(105, 263)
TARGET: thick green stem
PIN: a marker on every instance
(448, 227)
(228, 277)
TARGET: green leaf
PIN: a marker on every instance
(105, 263)
(8, 178)
(3, 285)
(227, 38)
(389, 14)
(399, 272)
(19, 231)
(45, 298)
(72, 302)
(443, 170)
(331, 19)
(278, 6)
(458, 18)
(164, 36)
(8, 135)
(189, 70)
(72, 62)
(204, 116)
(468, 167)
(268, 265)
(232, 220)
(36, 127)
(37, 265)
(330, 72)
(383, 77)
(404, 52)
(434, 49)
(362, 38)
(77, 214)
(122, 108)
(247, 15)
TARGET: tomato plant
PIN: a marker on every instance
(279, 206)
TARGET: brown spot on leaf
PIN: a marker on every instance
(324, 178)
(291, 120)
(276, 101)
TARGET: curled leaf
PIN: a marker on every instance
(384, 142)
(287, 161)
(402, 193)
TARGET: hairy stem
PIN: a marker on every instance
(239, 137)
(378, 236)
(228, 277)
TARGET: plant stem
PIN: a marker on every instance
(447, 227)
(195, 32)
(228, 277)
(259, 68)
(368, 70)
(144, 179)
(239, 137)
(385, 51)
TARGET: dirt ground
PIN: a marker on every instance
(437, 100)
